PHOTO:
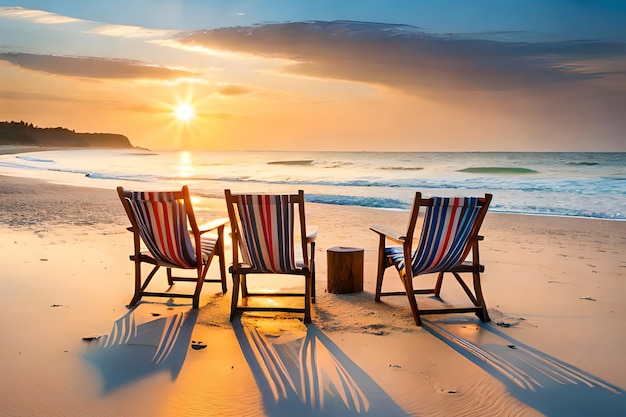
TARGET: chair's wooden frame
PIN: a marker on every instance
(203, 262)
(240, 270)
(472, 266)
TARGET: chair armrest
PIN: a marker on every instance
(311, 233)
(212, 225)
(388, 233)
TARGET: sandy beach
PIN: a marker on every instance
(554, 287)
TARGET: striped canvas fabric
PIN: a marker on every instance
(267, 226)
(447, 228)
(162, 221)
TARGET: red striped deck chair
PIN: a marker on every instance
(269, 236)
(166, 234)
(449, 233)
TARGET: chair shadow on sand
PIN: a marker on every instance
(301, 372)
(543, 382)
(135, 350)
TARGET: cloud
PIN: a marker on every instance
(37, 16)
(90, 67)
(406, 58)
(234, 90)
(125, 31)
(19, 95)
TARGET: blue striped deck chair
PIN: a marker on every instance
(450, 231)
(269, 236)
(166, 234)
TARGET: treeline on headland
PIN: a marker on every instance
(25, 134)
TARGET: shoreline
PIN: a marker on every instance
(553, 287)
(570, 204)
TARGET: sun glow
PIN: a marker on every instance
(185, 167)
(184, 112)
(186, 124)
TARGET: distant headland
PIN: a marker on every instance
(25, 134)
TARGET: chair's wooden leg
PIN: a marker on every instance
(439, 284)
(312, 266)
(205, 266)
(137, 294)
(222, 265)
(381, 267)
(466, 288)
(408, 286)
(133, 302)
(169, 276)
(483, 315)
(139, 287)
(308, 286)
(219, 252)
(149, 277)
(244, 285)
(201, 274)
(235, 296)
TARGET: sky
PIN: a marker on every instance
(349, 75)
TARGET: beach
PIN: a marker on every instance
(554, 288)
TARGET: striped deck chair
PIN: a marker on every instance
(266, 233)
(449, 233)
(164, 222)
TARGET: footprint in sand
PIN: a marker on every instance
(197, 345)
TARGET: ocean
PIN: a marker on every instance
(591, 185)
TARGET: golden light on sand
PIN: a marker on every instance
(184, 112)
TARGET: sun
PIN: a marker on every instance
(184, 112)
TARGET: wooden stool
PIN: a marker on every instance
(345, 270)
